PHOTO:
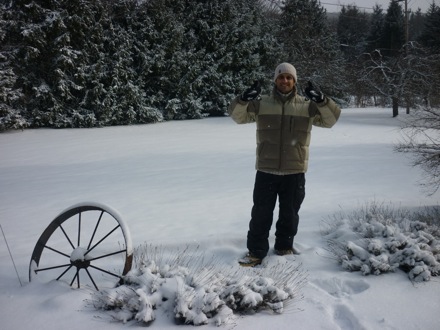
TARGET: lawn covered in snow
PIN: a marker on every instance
(187, 186)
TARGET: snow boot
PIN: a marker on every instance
(250, 260)
(287, 252)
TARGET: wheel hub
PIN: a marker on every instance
(79, 259)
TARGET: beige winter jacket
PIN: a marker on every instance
(283, 128)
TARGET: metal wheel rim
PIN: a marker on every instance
(69, 213)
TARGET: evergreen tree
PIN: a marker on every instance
(416, 24)
(75, 67)
(430, 39)
(217, 48)
(122, 99)
(393, 36)
(238, 48)
(377, 22)
(75, 63)
(430, 36)
(352, 30)
(10, 108)
(353, 27)
(27, 37)
(78, 47)
(310, 45)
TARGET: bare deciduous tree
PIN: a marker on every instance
(410, 77)
(421, 135)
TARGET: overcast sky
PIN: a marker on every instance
(335, 5)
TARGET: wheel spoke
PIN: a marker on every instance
(105, 271)
(91, 278)
(107, 255)
(53, 267)
(75, 277)
(94, 231)
(102, 239)
(62, 274)
(52, 249)
(65, 234)
(79, 229)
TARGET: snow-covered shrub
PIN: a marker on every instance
(198, 290)
(379, 239)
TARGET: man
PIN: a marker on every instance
(284, 121)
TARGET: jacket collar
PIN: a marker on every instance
(283, 97)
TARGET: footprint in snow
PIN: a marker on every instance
(341, 288)
(345, 318)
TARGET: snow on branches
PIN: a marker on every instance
(198, 290)
(379, 239)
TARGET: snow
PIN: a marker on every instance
(189, 184)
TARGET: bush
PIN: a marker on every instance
(378, 239)
(197, 289)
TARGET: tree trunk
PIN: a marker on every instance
(395, 106)
(407, 104)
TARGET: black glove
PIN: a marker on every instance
(314, 94)
(251, 93)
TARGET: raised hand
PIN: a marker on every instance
(314, 94)
(251, 93)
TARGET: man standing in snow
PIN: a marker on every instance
(284, 122)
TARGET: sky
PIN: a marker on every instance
(189, 183)
(335, 5)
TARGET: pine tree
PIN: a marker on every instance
(353, 27)
(10, 107)
(131, 48)
(430, 36)
(75, 62)
(416, 24)
(377, 22)
(25, 43)
(352, 31)
(310, 44)
(237, 49)
(393, 36)
(213, 51)
(45, 62)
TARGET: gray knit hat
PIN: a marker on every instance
(285, 68)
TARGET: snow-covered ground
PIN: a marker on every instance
(189, 183)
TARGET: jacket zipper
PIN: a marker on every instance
(281, 138)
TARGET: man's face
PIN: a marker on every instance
(285, 83)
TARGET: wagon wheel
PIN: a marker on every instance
(94, 241)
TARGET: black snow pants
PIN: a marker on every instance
(290, 190)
